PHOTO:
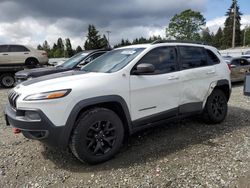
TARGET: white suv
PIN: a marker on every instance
(19, 54)
(127, 89)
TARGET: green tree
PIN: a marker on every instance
(46, 46)
(218, 39)
(206, 36)
(69, 51)
(104, 42)
(78, 49)
(186, 25)
(59, 50)
(228, 29)
(39, 47)
(94, 40)
(246, 36)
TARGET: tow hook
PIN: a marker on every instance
(16, 131)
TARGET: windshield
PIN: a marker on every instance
(113, 60)
(73, 61)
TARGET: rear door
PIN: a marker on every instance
(198, 72)
(156, 94)
(4, 55)
(18, 54)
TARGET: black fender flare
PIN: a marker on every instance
(65, 136)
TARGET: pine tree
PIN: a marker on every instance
(104, 42)
(206, 36)
(46, 46)
(78, 49)
(93, 39)
(69, 51)
(59, 50)
(228, 29)
(218, 39)
(39, 47)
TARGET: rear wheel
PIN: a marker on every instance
(216, 107)
(7, 80)
(98, 136)
(31, 62)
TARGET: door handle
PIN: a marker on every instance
(173, 78)
(210, 72)
(5, 54)
(26, 53)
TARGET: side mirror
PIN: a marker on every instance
(144, 68)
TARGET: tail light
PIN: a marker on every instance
(229, 67)
(45, 54)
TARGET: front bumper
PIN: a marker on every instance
(43, 129)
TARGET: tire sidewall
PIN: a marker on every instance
(7, 75)
(82, 129)
(211, 115)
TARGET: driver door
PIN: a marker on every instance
(156, 95)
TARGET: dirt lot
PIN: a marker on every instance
(189, 153)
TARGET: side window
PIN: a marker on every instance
(192, 57)
(17, 48)
(3, 48)
(163, 59)
(212, 58)
(96, 55)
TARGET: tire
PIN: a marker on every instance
(98, 136)
(7, 80)
(216, 107)
(31, 62)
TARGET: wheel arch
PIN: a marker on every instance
(224, 86)
(30, 58)
(113, 102)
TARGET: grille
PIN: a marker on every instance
(13, 96)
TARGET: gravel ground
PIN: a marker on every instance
(188, 153)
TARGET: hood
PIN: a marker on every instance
(39, 72)
(64, 80)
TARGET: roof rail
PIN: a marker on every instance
(179, 41)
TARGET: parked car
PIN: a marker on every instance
(239, 67)
(247, 52)
(125, 90)
(75, 62)
(247, 85)
(22, 55)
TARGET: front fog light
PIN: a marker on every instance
(31, 115)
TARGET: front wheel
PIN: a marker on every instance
(216, 107)
(7, 80)
(98, 136)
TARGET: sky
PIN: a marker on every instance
(31, 22)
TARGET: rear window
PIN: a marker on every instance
(192, 57)
(212, 58)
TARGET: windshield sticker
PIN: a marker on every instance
(128, 52)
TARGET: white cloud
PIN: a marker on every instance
(214, 24)
(29, 31)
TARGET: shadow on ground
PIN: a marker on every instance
(158, 142)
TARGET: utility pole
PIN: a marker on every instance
(244, 39)
(108, 32)
(234, 24)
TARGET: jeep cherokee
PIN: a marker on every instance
(127, 89)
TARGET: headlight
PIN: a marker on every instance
(48, 95)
